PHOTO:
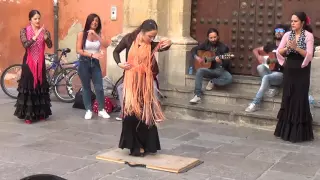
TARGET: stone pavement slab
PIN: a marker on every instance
(66, 145)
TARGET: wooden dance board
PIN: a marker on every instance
(161, 162)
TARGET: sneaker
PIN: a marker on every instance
(252, 107)
(210, 86)
(88, 115)
(272, 93)
(118, 118)
(103, 114)
(196, 99)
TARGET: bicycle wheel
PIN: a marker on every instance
(10, 80)
(64, 88)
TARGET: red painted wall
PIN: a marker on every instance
(14, 16)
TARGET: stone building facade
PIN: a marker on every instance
(175, 20)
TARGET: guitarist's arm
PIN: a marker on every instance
(195, 49)
(257, 55)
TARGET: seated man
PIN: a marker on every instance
(219, 70)
(270, 76)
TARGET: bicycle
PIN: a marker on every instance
(59, 73)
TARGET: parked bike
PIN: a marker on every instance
(57, 73)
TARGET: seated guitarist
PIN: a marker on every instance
(270, 76)
(219, 70)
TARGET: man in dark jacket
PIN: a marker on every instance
(219, 70)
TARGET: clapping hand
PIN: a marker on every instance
(92, 32)
(292, 44)
(38, 32)
(45, 36)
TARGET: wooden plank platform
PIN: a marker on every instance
(161, 162)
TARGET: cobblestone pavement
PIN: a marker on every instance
(66, 146)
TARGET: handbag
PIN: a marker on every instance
(78, 102)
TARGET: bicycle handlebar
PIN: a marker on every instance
(64, 52)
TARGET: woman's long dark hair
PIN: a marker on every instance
(303, 18)
(32, 13)
(146, 26)
(89, 20)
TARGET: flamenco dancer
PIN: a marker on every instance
(141, 109)
(295, 119)
(33, 101)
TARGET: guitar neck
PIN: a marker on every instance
(222, 57)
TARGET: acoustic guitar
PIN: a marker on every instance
(270, 59)
(208, 57)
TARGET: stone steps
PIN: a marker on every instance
(224, 104)
(231, 114)
(176, 108)
(225, 96)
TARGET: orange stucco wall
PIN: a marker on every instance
(13, 17)
(76, 11)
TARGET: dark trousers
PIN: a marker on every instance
(89, 69)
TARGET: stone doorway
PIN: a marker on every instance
(246, 24)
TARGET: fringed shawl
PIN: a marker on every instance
(139, 97)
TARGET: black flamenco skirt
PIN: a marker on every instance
(295, 119)
(32, 103)
(136, 134)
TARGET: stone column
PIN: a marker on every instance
(315, 74)
(173, 18)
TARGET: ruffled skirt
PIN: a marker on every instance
(33, 103)
(295, 119)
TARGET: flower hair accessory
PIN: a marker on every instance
(308, 20)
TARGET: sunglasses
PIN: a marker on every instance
(279, 30)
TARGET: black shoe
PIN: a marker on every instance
(136, 152)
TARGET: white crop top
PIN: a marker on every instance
(92, 46)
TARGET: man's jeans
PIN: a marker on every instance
(220, 77)
(120, 92)
(89, 69)
(268, 78)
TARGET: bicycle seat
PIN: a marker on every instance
(65, 50)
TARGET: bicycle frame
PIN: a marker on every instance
(58, 65)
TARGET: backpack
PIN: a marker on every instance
(78, 102)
